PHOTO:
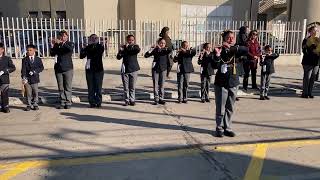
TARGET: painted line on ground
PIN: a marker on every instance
(256, 164)
(27, 165)
(18, 169)
(280, 144)
(253, 170)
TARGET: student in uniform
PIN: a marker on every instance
(31, 68)
(184, 69)
(267, 69)
(159, 69)
(6, 67)
(206, 71)
(226, 83)
(94, 70)
(62, 48)
(165, 35)
(129, 69)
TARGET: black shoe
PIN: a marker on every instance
(35, 108)
(162, 102)
(155, 103)
(267, 98)
(304, 96)
(219, 133)
(229, 133)
(132, 103)
(179, 101)
(255, 88)
(126, 103)
(6, 110)
(92, 105)
(203, 101)
(60, 107)
(311, 96)
(28, 108)
(237, 99)
(67, 107)
(185, 101)
(208, 100)
(262, 98)
(98, 105)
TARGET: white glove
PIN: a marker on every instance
(24, 81)
(31, 73)
(1, 73)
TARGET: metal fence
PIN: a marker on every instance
(16, 33)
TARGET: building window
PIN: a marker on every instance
(61, 15)
(46, 14)
(33, 14)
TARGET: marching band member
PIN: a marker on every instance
(267, 69)
(31, 68)
(129, 70)
(94, 70)
(206, 71)
(6, 67)
(159, 69)
(184, 68)
(226, 83)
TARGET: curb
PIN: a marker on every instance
(150, 96)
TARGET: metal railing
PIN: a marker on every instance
(16, 33)
(267, 4)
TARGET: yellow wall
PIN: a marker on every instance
(101, 9)
(158, 10)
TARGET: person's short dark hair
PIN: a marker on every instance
(130, 35)
(225, 34)
(160, 39)
(243, 30)
(183, 43)
(2, 45)
(63, 32)
(31, 46)
(253, 32)
(267, 47)
(205, 45)
(310, 29)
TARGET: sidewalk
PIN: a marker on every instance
(287, 80)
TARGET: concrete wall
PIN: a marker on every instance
(206, 2)
(241, 9)
(122, 9)
(158, 10)
(305, 9)
(101, 9)
(127, 9)
(75, 8)
(21, 8)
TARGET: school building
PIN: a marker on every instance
(132, 9)
(289, 10)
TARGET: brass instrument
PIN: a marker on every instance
(314, 41)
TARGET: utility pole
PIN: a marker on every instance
(250, 15)
(50, 7)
